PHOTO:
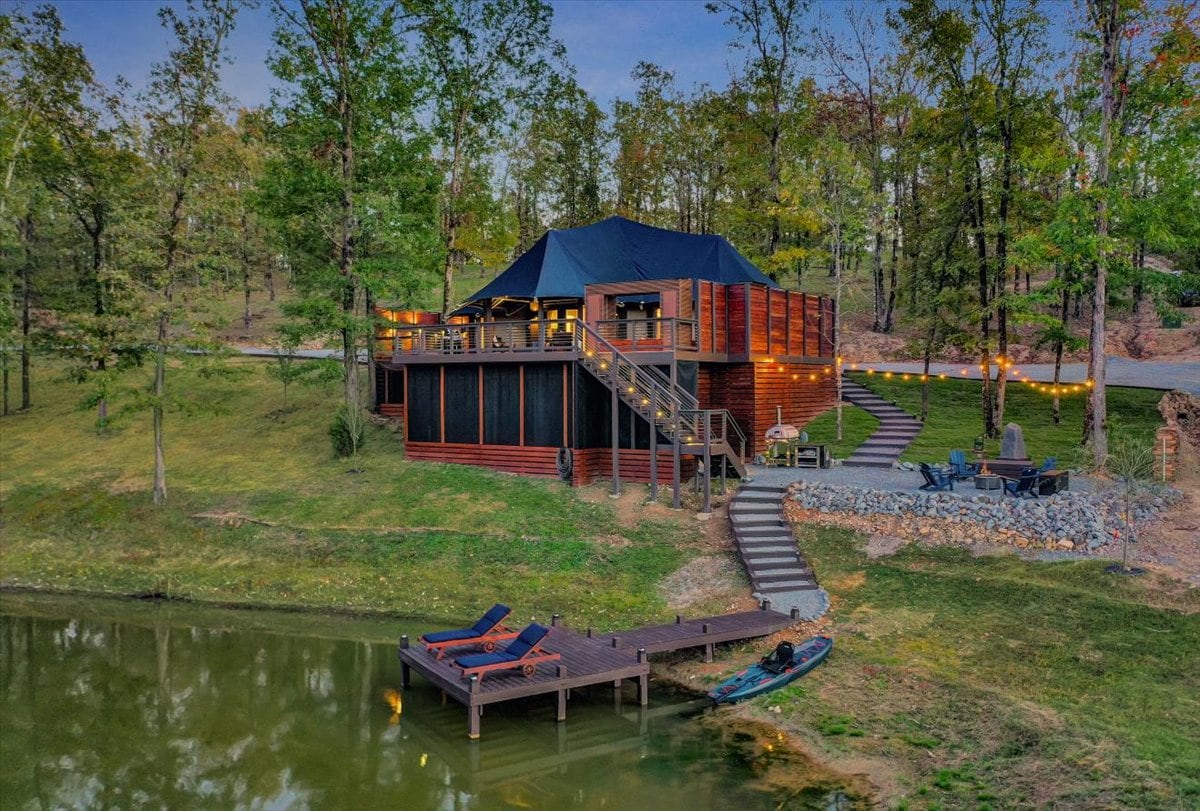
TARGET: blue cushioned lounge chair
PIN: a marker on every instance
(524, 652)
(960, 468)
(936, 479)
(484, 633)
(1027, 485)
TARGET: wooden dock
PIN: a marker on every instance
(587, 659)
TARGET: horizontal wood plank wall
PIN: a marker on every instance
(729, 386)
(527, 460)
(735, 315)
(803, 390)
(393, 411)
(777, 336)
(591, 464)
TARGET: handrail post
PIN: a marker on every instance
(725, 441)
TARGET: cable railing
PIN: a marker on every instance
(649, 334)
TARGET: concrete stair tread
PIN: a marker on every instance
(781, 578)
(865, 463)
(777, 588)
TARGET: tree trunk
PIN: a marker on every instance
(160, 392)
(26, 273)
(925, 374)
(837, 327)
(890, 310)
(1058, 354)
(1107, 19)
(244, 255)
(349, 282)
(369, 310)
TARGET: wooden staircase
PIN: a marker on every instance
(672, 410)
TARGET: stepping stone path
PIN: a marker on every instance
(897, 428)
(767, 547)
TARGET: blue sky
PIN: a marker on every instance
(605, 39)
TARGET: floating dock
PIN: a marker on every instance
(587, 659)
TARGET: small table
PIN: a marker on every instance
(1053, 481)
(988, 481)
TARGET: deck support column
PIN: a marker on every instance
(707, 473)
(474, 711)
(708, 652)
(562, 706)
(614, 382)
(653, 445)
(676, 471)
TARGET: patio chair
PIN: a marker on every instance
(960, 468)
(485, 633)
(936, 479)
(524, 652)
(1051, 463)
(1026, 485)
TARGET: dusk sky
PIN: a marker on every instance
(605, 39)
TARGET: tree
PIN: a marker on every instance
(772, 32)
(182, 99)
(351, 183)
(485, 59)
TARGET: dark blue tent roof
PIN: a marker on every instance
(618, 250)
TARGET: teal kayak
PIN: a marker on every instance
(784, 665)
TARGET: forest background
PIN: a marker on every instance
(975, 176)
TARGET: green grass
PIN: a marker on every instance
(857, 425)
(399, 536)
(1003, 681)
(956, 418)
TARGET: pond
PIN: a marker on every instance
(107, 703)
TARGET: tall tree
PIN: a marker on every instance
(485, 59)
(182, 99)
(772, 31)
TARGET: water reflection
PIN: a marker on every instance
(115, 705)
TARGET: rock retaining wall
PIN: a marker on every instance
(1070, 520)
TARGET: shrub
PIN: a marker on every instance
(347, 432)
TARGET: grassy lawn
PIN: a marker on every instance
(955, 417)
(998, 683)
(857, 425)
(412, 538)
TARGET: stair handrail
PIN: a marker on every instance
(729, 425)
(589, 340)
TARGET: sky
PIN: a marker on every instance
(605, 39)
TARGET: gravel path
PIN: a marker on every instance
(1139, 374)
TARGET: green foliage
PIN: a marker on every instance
(347, 431)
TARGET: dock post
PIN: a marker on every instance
(554, 618)
(679, 619)
(474, 711)
(405, 671)
(643, 680)
(708, 652)
(562, 696)
(589, 633)
(795, 612)
(614, 642)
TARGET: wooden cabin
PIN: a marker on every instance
(562, 365)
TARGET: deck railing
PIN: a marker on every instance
(540, 335)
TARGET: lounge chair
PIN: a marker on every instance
(936, 479)
(960, 468)
(484, 633)
(1027, 485)
(524, 652)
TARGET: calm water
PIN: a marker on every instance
(117, 704)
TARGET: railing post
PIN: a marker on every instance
(725, 441)
(707, 463)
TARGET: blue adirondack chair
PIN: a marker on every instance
(1026, 485)
(935, 479)
(960, 468)
(1050, 464)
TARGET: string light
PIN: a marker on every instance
(1061, 389)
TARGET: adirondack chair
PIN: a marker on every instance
(960, 468)
(1026, 485)
(1051, 463)
(935, 479)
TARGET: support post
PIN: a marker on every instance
(653, 445)
(562, 695)
(473, 715)
(554, 620)
(795, 613)
(725, 439)
(614, 382)
(708, 652)
(679, 619)
(707, 473)
(643, 680)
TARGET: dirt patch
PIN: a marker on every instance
(882, 546)
(633, 505)
(701, 580)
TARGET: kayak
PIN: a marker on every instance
(783, 666)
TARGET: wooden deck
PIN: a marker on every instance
(587, 659)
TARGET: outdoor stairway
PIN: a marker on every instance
(671, 409)
(897, 428)
(767, 547)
